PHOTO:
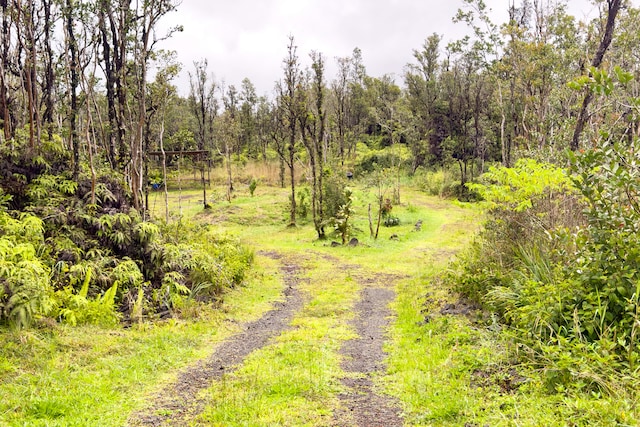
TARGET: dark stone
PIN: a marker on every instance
(354, 242)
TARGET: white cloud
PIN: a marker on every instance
(248, 38)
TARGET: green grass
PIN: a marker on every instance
(445, 370)
(456, 370)
(294, 380)
(89, 376)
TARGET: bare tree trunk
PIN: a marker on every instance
(91, 149)
(227, 155)
(506, 160)
(380, 202)
(281, 171)
(73, 89)
(4, 64)
(110, 82)
(48, 87)
(164, 171)
(292, 152)
(613, 9)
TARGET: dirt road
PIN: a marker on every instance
(360, 401)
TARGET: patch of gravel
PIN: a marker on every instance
(364, 359)
(179, 402)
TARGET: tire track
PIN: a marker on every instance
(179, 403)
(364, 359)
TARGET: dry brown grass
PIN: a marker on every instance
(267, 173)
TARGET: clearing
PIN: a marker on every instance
(362, 335)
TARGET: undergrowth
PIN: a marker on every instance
(556, 263)
(74, 251)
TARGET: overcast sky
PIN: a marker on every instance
(248, 38)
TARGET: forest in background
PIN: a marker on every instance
(539, 117)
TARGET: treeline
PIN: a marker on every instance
(81, 70)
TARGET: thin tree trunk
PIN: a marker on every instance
(73, 89)
(282, 171)
(164, 171)
(110, 82)
(89, 126)
(227, 154)
(292, 213)
(506, 161)
(47, 92)
(613, 9)
(4, 62)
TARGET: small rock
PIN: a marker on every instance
(354, 242)
(335, 244)
(394, 237)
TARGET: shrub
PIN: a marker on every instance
(441, 182)
(388, 157)
(24, 278)
(566, 282)
(391, 221)
(252, 186)
(302, 206)
(342, 221)
(78, 308)
(608, 249)
(334, 196)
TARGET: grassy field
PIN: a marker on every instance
(447, 364)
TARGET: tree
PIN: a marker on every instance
(204, 106)
(114, 24)
(161, 91)
(422, 90)
(74, 81)
(249, 100)
(313, 129)
(230, 132)
(613, 7)
(340, 91)
(289, 98)
(149, 14)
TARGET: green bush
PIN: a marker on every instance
(334, 196)
(391, 221)
(24, 278)
(607, 251)
(442, 182)
(77, 308)
(557, 261)
(90, 258)
(302, 205)
(388, 157)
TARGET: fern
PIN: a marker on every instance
(67, 187)
(146, 232)
(85, 284)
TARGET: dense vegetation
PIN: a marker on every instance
(538, 118)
